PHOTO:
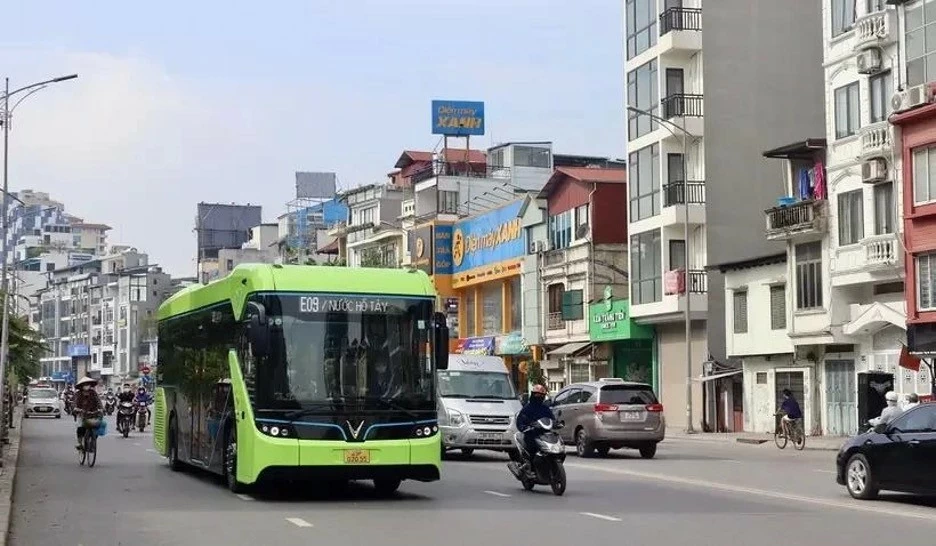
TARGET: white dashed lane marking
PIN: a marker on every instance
(245, 497)
(497, 494)
(600, 516)
(299, 522)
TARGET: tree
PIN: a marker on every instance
(25, 350)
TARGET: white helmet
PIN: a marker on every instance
(891, 396)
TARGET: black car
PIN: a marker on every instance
(898, 456)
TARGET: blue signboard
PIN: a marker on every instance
(457, 118)
(61, 375)
(78, 350)
(487, 239)
(476, 346)
(442, 251)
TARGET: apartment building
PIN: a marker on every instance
(372, 235)
(261, 247)
(694, 168)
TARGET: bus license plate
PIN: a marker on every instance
(630, 416)
(356, 456)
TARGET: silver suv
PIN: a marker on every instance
(610, 414)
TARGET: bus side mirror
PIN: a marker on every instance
(258, 332)
(440, 341)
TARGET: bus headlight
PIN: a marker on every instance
(279, 430)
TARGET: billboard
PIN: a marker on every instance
(316, 185)
(457, 118)
(487, 239)
(421, 249)
(224, 226)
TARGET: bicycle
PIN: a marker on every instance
(784, 433)
(88, 450)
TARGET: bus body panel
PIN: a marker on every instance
(160, 423)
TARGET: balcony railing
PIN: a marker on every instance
(875, 29)
(876, 140)
(675, 281)
(698, 281)
(680, 19)
(802, 217)
(554, 321)
(678, 193)
(881, 250)
(682, 104)
(454, 168)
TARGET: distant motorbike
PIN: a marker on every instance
(142, 409)
(125, 415)
(545, 467)
(110, 404)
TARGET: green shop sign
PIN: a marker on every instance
(609, 320)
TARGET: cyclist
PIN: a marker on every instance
(790, 409)
(88, 403)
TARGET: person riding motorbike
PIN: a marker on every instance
(143, 397)
(88, 403)
(535, 410)
(126, 394)
(890, 412)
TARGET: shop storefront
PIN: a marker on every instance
(626, 347)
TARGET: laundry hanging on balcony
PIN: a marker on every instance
(819, 183)
(805, 184)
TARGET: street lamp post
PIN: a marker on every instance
(4, 229)
(670, 126)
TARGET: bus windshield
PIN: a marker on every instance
(462, 384)
(362, 350)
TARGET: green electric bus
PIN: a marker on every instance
(280, 371)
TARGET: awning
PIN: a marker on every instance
(875, 317)
(704, 378)
(571, 349)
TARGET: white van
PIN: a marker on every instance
(477, 404)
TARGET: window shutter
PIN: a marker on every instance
(777, 307)
(740, 312)
(572, 308)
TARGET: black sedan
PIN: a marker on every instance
(898, 456)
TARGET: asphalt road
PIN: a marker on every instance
(694, 492)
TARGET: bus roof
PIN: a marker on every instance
(248, 278)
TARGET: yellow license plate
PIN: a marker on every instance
(356, 456)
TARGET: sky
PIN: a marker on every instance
(182, 102)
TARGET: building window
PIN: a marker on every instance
(843, 16)
(924, 175)
(560, 230)
(448, 202)
(230, 265)
(492, 321)
(496, 159)
(851, 217)
(531, 156)
(644, 180)
(884, 212)
(516, 305)
(642, 94)
(809, 276)
(581, 221)
(366, 216)
(926, 282)
(847, 112)
(760, 378)
(874, 5)
(677, 254)
(882, 89)
(739, 298)
(573, 305)
(641, 20)
(646, 268)
(469, 313)
(919, 23)
(778, 307)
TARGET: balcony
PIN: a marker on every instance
(876, 140)
(682, 105)
(674, 282)
(881, 250)
(802, 218)
(679, 193)
(680, 19)
(554, 321)
(448, 168)
(875, 29)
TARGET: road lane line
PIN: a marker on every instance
(497, 494)
(600, 516)
(247, 498)
(873, 508)
(299, 522)
(824, 471)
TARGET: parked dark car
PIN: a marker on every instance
(897, 456)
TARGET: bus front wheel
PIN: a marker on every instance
(230, 462)
(387, 486)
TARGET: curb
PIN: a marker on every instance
(8, 477)
(706, 438)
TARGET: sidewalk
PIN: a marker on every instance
(8, 474)
(817, 443)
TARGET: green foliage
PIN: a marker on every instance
(535, 374)
(25, 350)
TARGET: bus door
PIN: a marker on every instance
(218, 411)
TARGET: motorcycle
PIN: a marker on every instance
(110, 404)
(142, 415)
(545, 466)
(125, 418)
(70, 407)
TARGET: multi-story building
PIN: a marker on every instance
(303, 230)
(261, 247)
(692, 155)
(221, 226)
(372, 236)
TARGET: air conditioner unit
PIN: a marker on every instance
(911, 98)
(536, 247)
(874, 171)
(869, 61)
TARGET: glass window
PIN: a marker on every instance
(777, 307)
(920, 26)
(882, 89)
(627, 394)
(924, 175)
(926, 281)
(851, 217)
(874, 5)
(809, 275)
(641, 19)
(493, 308)
(531, 156)
(448, 202)
(469, 313)
(642, 94)
(884, 212)
(516, 305)
(646, 267)
(920, 419)
(847, 113)
(677, 254)
(843, 16)
(581, 219)
(560, 229)
(739, 299)
(462, 384)
(644, 183)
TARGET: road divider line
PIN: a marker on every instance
(872, 508)
(600, 516)
(498, 494)
(299, 522)
(249, 498)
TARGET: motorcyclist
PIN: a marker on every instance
(88, 403)
(125, 394)
(890, 412)
(143, 397)
(535, 410)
